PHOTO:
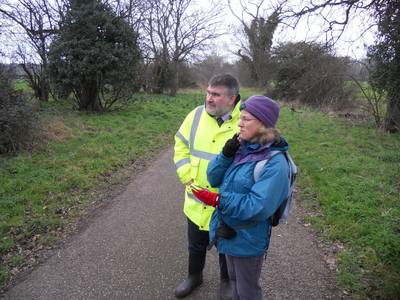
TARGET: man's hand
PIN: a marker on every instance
(190, 182)
(231, 146)
(208, 198)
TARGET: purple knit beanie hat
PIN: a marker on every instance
(263, 108)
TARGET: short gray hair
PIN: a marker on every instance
(226, 80)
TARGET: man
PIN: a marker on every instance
(199, 139)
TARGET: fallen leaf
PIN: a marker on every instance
(346, 293)
(309, 224)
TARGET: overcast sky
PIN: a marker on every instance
(349, 44)
(306, 30)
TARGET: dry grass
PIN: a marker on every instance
(37, 137)
(55, 130)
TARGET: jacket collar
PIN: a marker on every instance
(251, 153)
(255, 152)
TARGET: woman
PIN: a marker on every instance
(243, 202)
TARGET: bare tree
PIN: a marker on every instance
(258, 33)
(372, 100)
(211, 65)
(337, 16)
(39, 20)
(175, 31)
(334, 17)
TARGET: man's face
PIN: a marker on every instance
(218, 103)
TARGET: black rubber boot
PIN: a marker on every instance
(195, 278)
(225, 287)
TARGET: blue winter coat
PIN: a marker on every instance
(243, 201)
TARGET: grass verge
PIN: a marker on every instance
(348, 176)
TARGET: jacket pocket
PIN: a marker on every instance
(255, 242)
(242, 184)
(195, 161)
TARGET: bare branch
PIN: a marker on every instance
(335, 14)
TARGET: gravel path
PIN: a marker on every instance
(136, 248)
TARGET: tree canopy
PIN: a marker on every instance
(384, 59)
(94, 54)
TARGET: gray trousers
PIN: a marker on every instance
(245, 273)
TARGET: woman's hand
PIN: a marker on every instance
(231, 146)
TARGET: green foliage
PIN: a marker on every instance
(95, 53)
(162, 75)
(4, 273)
(17, 259)
(257, 55)
(349, 175)
(312, 74)
(17, 115)
(384, 58)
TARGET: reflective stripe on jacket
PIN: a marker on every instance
(197, 142)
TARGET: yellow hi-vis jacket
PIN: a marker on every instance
(197, 142)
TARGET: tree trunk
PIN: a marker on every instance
(175, 68)
(157, 90)
(175, 81)
(44, 90)
(392, 118)
(37, 81)
(89, 98)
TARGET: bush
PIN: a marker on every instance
(18, 116)
(311, 74)
(94, 56)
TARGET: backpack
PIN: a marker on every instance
(281, 214)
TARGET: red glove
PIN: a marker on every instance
(208, 198)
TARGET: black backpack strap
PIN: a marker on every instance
(213, 242)
(246, 226)
(222, 224)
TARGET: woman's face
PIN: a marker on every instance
(248, 125)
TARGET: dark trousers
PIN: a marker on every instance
(244, 273)
(198, 242)
(198, 239)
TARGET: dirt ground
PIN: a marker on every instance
(133, 245)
